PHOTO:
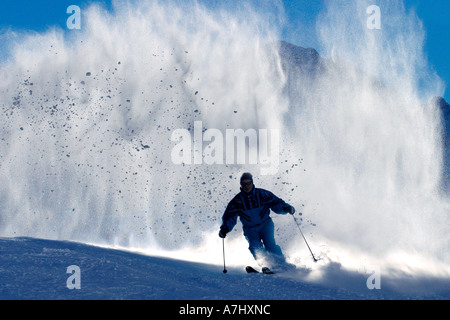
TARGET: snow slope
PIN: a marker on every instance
(37, 269)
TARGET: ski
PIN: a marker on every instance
(251, 270)
(264, 270)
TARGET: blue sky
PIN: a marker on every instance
(40, 15)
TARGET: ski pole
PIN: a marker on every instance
(298, 226)
(223, 247)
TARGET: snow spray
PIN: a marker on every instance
(87, 118)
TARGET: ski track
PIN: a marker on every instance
(37, 269)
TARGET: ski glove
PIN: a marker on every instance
(223, 232)
(289, 209)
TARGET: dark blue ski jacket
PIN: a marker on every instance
(253, 209)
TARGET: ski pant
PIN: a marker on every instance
(262, 245)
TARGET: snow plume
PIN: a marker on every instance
(88, 119)
(371, 143)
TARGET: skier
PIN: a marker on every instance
(252, 205)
